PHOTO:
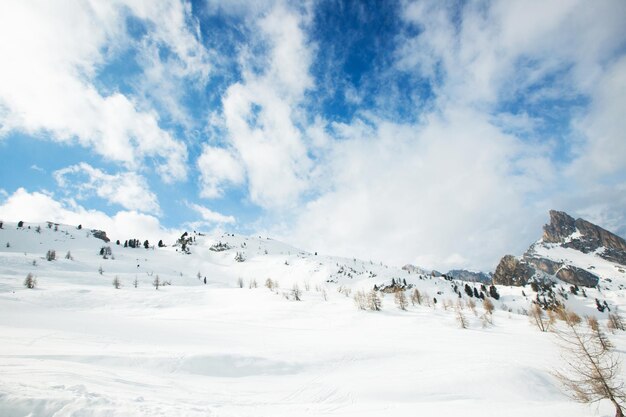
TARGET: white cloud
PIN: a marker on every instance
(128, 189)
(218, 166)
(486, 52)
(449, 193)
(55, 54)
(40, 207)
(211, 217)
(261, 115)
(604, 126)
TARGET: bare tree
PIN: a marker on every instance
(269, 283)
(460, 318)
(51, 255)
(360, 298)
(68, 255)
(488, 306)
(240, 282)
(135, 283)
(373, 301)
(116, 283)
(401, 300)
(540, 319)
(615, 322)
(30, 281)
(416, 297)
(296, 292)
(593, 368)
(252, 284)
(156, 283)
(593, 324)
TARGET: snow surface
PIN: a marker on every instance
(76, 346)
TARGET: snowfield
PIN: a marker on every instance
(77, 346)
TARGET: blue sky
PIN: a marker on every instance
(427, 132)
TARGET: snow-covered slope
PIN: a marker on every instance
(75, 345)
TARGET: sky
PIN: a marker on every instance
(437, 133)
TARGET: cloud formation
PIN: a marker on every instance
(127, 189)
(41, 206)
(49, 88)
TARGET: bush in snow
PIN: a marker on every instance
(239, 257)
(20, 224)
(269, 283)
(68, 255)
(8, 245)
(51, 255)
(30, 281)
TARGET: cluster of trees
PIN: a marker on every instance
(106, 252)
(185, 241)
(135, 243)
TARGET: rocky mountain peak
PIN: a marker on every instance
(589, 237)
(566, 232)
(561, 226)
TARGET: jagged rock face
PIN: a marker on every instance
(577, 276)
(561, 226)
(511, 271)
(567, 232)
(590, 238)
(100, 234)
(546, 265)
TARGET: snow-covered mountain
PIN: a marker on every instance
(246, 325)
(575, 252)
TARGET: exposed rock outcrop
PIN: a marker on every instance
(511, 271)
(577, 276)
(100, 234)
(564, 231)
(545, 265)
(584, 236)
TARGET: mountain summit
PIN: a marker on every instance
(568, 250)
